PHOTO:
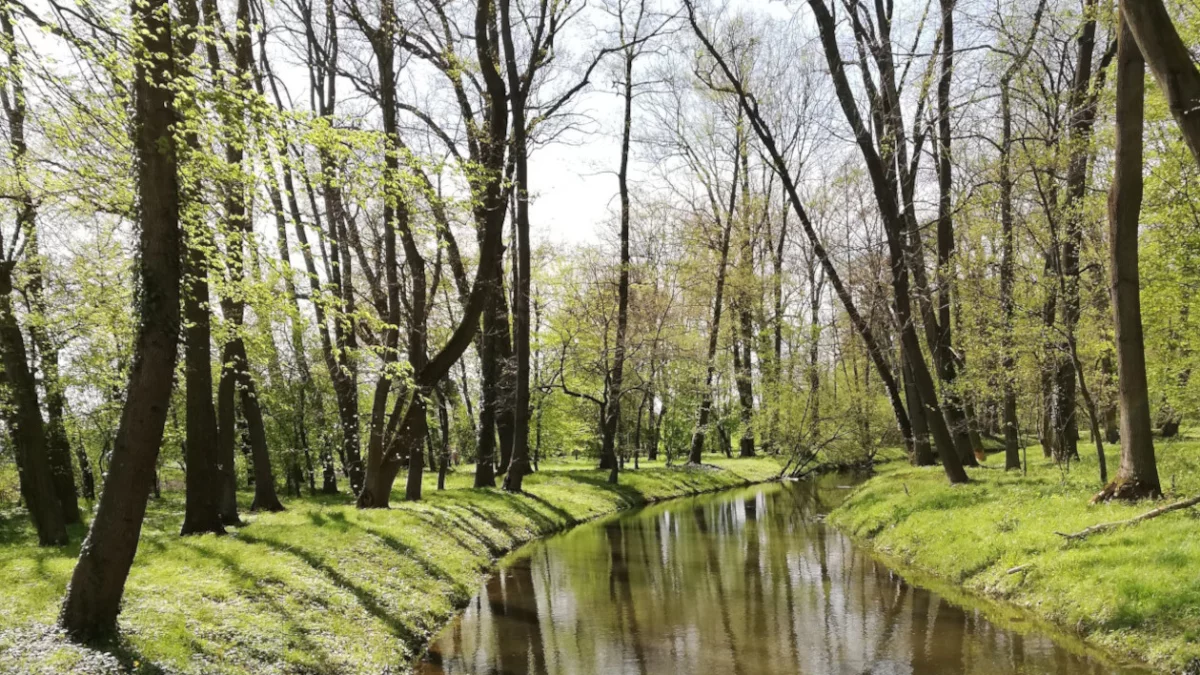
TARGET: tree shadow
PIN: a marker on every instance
(449, 522)
(626, 495)
(366, 599)
(296, 631)
(567, 519)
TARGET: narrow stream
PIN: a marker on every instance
(747, 581)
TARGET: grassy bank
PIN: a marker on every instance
(1135, 591)
(320, 588)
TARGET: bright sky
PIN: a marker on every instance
(574, 184)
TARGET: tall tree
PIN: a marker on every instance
(724, 221)
(203, 489)
(48, 485)
(93, 597)
(630, 35)
(236, 378)
(1137, 476)
(1012, 456)
(895, 229)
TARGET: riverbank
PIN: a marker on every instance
(321, 587)
(1134, 591)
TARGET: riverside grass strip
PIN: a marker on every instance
(322, 587)
(1134, 591)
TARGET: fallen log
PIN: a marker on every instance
(1105, 527)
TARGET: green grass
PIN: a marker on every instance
(1135, 591)
(320, 588)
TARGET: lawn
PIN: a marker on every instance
(1135, 590)
(319, 588)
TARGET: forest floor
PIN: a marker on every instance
(321, 587)
(1134, 591)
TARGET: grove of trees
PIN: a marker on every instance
(295, 245)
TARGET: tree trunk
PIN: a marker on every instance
(94, 593)
(695, 454)
(226, 460)
(1170, 62)
(1083, 117)
(922, 453)
(948, 363)
(55, 450)
(615, 381)
(27, 429)
(518, 465)
(1012, 455)
(1137, 476)
(207, 474)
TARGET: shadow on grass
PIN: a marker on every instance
(364, 596)
(297, 630)
(626, 495)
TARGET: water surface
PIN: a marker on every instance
(748, 581)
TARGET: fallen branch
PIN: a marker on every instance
(1104, 527)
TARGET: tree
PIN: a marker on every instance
(93, 597)
(202, 508)
(1137, 476)
(51, 499)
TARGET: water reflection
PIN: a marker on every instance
(747, 582)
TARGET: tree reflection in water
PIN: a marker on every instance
(749, 581)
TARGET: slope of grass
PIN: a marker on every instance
(1135, 590)
(319, 588)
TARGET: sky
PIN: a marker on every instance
(574, 182)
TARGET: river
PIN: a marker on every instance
(749, 581)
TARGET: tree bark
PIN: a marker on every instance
(97, 584)
(616, 375)
(1137, 476)
(57, 449)
(696, 452)
(205, 480)
(1170, 62)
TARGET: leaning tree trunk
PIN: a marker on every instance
(764, 134)
(1170, 62)
(1137, 476)
(94, 594)
(893, 225)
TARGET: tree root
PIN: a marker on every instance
(1127, 490)
(1105, 527)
